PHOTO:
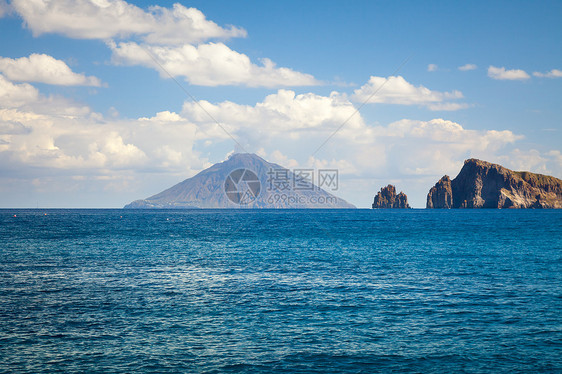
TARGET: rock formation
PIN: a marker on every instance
(245, 180)
(441, 195)
(481, 184)
(387, 198)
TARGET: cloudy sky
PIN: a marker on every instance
(103, 102)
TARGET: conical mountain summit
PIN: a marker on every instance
(246, 180)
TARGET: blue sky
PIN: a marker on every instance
(88, 119)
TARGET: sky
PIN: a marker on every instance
(105, 102)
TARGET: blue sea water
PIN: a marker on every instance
(336, 291)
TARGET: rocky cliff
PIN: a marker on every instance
(481, 184)
(441, 195)
(387, 198)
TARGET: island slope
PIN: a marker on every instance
(207, 189)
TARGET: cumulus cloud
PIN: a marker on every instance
(15, 95)
(503, 74)
(282, 120)
(284, 127)
(13, 128)
(282, 111)
(210, 64)
(94, 146)
(468, 67)
(49, 144)
(441, 130)
(396, 90)
(54, 133)
(45, 69)
(554, 73)
(416, 153)
(407, 147)
(432, 67)
(178, 37)
(26, 97)
(105, 19)
(549, 162)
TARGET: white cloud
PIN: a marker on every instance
(468, 67)
(89, 144)
(549, 163)
(396, 90)
(554, 73)
(279, 158)
(555, 159)
(503, 74)
(45, 69)
(210, 64)
(298, 124)
(13, 128)
(178, 37)
(54, 135)
(105, 19)
(26, 97)
(288, 128)
(165, 116)
(15, 95)
(441, 130)
(282, 120)
(432, 67)
(172, 26)
(420, 151)
(279, 112)
(37, 142)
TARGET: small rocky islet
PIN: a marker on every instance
(482, 184)
(387, 198)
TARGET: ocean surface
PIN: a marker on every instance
(338, 291)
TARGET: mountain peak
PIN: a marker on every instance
(245, 180)
(243, 155)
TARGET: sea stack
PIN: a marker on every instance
(481, 184)
(387, 198)
(441, 195)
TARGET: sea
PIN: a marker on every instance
(280, 291)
